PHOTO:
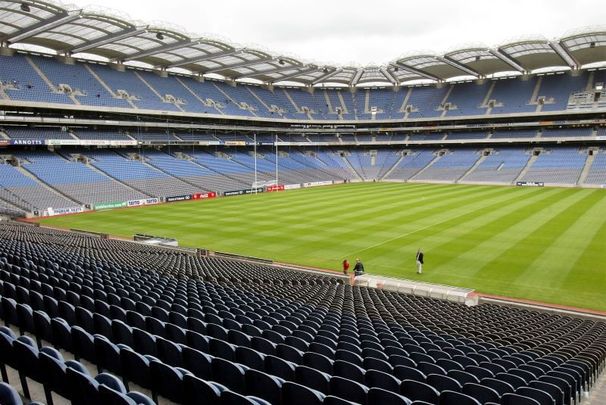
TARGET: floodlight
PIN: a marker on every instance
(159, 36)
(25, 7)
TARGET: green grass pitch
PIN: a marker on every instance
(546, 244)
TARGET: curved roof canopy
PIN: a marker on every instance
(82, 31)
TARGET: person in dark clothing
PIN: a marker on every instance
(345, 266)
(419, 259)
(358, 268)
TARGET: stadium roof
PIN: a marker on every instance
(71, 31)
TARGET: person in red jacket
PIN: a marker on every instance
(345, 266)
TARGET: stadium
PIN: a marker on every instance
(175, 212)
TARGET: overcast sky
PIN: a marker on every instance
(364, 32)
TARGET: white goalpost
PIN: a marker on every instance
(264, 183)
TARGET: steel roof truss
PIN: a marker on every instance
(356, 77)
(160, 49)
(451, 62)
(203, 58)
(243, 64)
(563, 53)
(418, 71)
(507, 59)
(390, 78)
(275, 70)
(327, 76)
(297, 74)
(108, 39)
(42, 26)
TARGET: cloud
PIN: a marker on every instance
(366, 32)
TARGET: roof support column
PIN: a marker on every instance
(161, 72)
(6, 51)
(66, 58)
(118, 65)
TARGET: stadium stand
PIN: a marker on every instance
(36, 180)
(425, 101)
(450, 166)
(467, 99)
(76, 81)
(132, 170)
(514, 134)
(597, 172)
(555, 132)
(86, 134)
(410, 164)
(129, 86)
(466, 136)
(93, 320)
(556, 91)
(75, 179)
(37, 133)
(21, 186)
(178, 326)
(513, 95)
(501, 166)
(22, 82)
(44, 79)
(557, 166)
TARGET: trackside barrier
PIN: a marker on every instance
(240, 257)
(110, 205)
(530, 184)
(203, 196)
(274, 188)
(243, 191)
(51, 212)
(144, 201)
(184, 197)
(187, 197)
(444, 292)
(91, 233)
(317, 183)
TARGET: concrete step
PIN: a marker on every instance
(597, 395)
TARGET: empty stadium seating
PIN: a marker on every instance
(451, 166)
(501, 166)
(45, 79)
(92, 320)
(179, 327)
(557, 166)
(77, 177)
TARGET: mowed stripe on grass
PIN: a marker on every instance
(544, 244)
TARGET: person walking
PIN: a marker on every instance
(345, 266)
(358, 268)
(419, 259)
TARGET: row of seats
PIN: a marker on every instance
(110, 176)
(100, 86)
(81, 294)
(71, 380)
(41, 133)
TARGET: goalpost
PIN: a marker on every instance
(264, 183)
